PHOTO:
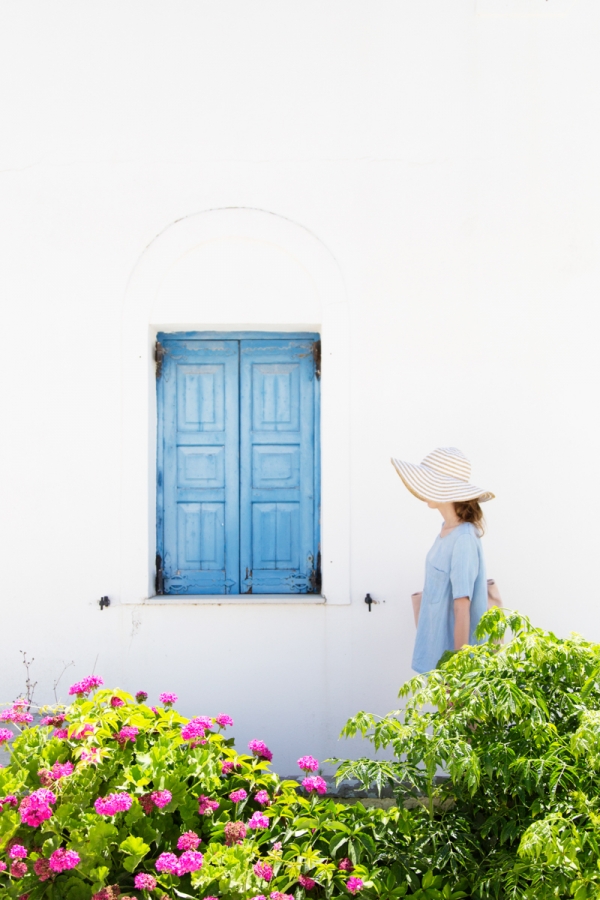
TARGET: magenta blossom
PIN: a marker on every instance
(35, 808)
(222, 720)
(141, 696)
(42, 869)
(238, 796)
(61, 770)
(167, 862)
(63, 859)
(277, 895)
(18, 869)
(263, 798)
(206, 806)
(17, 851)
(86, 686)
(80, 734)
(189, 840)
(306, 882)
(354, 885)
(315, 783)
(161, 798)
(116, 701)
(277, 846)
(17, 713)
(193, 731)
(113, 804)
(227, 767)
(61, 733)
(91, 756)
(205, 721)
(235, 832)
(128, 733)
(189, 861)
(5, 735)
(258, 897)
(144, 882)
(263, 870)
(258, 820)
(308, 763)
(345, 865)
(58, 719)
(9, 800)
(260, 749)
(167, 699)
(3, 866)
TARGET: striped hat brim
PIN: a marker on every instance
(426, 484)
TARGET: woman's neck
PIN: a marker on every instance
(449, 515)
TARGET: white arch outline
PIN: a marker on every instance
(138, 492)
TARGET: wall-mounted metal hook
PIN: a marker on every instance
(104, 601)
(369, 600)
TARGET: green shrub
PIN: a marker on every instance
(517, 730)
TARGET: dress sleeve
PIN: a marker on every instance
(464, 567)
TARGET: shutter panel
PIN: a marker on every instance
(198, 415)
(277, 466)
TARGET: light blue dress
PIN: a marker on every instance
(455, 568)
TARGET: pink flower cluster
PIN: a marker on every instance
(263, 798)
(277, 895)
(206, 806)
(18, 869)
(354, 885)
(238, 796)
(308, 763)
(9, 800)
(258, 820)
(263, 870)
(227, 766)
(17, 851)
(193, 731)
(141, 696)
(128, 733)
(5, 735)
(235, 832)
(315, 783)
(86, 686)
(260, 749)
(17, 713)
(189, 840)
(113, 804)
(61, 734)
(144, 882)
(55, 720)
(58, 771)
(63, 859)
(161, 798)
(306, 882)
(80, 734)
(35, 808)
(42, 869)
(167, 699)
(189, 861)
(91, 756)
(116, 701)
(222, 720)
(345, 865)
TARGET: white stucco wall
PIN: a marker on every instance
(444, 156)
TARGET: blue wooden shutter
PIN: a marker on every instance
(198, 452)
(277, 466)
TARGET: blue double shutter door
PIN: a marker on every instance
(238, 464)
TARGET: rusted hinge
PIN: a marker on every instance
(159, 355)
(316, 351)
(159, 580)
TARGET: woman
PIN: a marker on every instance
(455, 593)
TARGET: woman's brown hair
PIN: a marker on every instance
(470, 511)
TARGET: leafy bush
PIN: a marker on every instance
(517, 730)
(111, 797)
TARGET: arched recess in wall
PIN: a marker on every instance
(219, 270)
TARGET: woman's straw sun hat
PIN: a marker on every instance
(444, 476)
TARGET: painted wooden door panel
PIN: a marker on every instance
(198, 413)
(277, 466)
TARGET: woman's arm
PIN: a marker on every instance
(462, 622)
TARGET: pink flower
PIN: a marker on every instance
(189, 861)
(9, 800)
(277, 895)
(306, 882)
(141, 696)
(61, 770)
(206, 806)
(315, 783)
(263, 798)
(3, 866)
(260, 749)
(308, 763)
(277, 846)
(238, 796)
(235, 832)
(58, 719)
(128, 733)
(258, 820)
(91, 756)
(17, 851)
(86, 686)
(189, 840)
(63, 859)
(192, 731)
(42, 869)
(116, 701)
(112, 804)
(161, 798)
(167, 862)
(354, 885)
(18, 869)
(167, 699)
(222, 720)
(258, 897)
(35, 808)
(204, 721)
(80, 734)
(146, 803)
(144, 882)
(5, 735)
(345, 865)
(61, 733)
(263, 870)
(227, 767)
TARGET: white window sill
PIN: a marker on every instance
(230, 600)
